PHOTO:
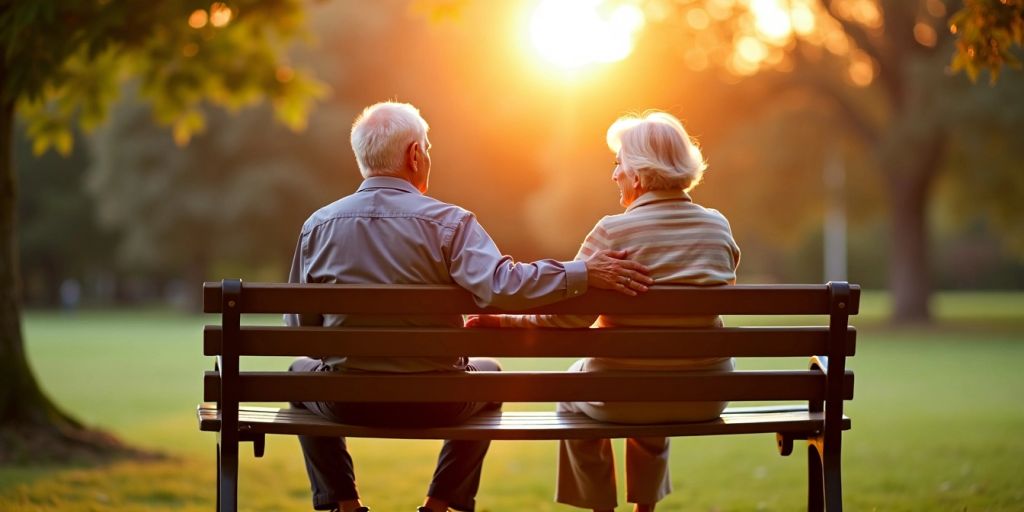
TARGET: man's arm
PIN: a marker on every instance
(498, 280)
(596, 251)
(298, 274)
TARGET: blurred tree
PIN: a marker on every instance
(235, 195)
(59, 236)
(880, 67)
(63, 61)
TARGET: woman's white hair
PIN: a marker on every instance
(655, 146)
(381, 135)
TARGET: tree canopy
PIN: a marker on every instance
(987, 31)
(64, 61)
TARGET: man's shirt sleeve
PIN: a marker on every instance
(497, 280)
(298, 274)
(596, 241)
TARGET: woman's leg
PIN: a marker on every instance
(647, 474)
(586, 474)
(586, 467)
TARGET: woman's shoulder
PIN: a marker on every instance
(615, 221)
(711, 212)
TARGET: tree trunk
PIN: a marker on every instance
(32, 428)
(909, 279)
(911, 171)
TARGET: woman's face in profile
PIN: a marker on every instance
(628, 186)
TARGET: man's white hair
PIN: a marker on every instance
(655, 146)
(381, 135)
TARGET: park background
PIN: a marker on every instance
(819, 124)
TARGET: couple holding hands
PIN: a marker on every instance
(389, 232)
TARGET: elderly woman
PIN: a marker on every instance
(656, 165)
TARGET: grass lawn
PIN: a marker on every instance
(938, 417)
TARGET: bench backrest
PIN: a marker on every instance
(826, 386)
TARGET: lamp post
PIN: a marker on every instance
(834, 177)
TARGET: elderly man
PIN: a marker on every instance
(390, 232)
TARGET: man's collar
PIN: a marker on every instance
(387, 182)
(657, 196)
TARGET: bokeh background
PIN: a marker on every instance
(774, 102)
(877, 141)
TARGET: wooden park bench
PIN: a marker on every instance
(824, 386)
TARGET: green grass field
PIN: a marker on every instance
(938, 417)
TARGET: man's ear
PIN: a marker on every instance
(412, 156)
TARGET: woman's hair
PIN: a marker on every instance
(655, 146)
(381, 134)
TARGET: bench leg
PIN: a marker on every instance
(815, 481)
(217, 449)
(824, 476)
(227, 477)
(833, 483)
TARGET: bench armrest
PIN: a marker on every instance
(819, 363)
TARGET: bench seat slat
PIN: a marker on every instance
(528, 386)
(427, 342)
(523, 425)
(809, 299)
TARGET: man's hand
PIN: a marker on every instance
(612, 271)
(483, 321)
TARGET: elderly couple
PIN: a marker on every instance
(388, 231)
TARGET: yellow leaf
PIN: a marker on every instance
(39, 145)
(181, 134)
(64, 142)
(187, 124)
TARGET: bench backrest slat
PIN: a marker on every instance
(529, 386)
(824, 390)
(426, 342)
(443, 299)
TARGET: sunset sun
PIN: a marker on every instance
(571, 34)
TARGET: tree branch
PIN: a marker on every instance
(889, 68)
(821, 84)
(852, 116)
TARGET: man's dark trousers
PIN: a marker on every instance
(331, 471)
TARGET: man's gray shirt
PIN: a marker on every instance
(389, 233)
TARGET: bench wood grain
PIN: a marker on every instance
(823, 388)
(795, 420)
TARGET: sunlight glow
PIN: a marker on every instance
(720, 9)
(220, 14)
(197, 19)
(698, 19)
(574, 33)
(936, 8)
(803, 19)
(862, 70)
(764, 32)
(772, 21)
(865, 12)
(925, 34)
